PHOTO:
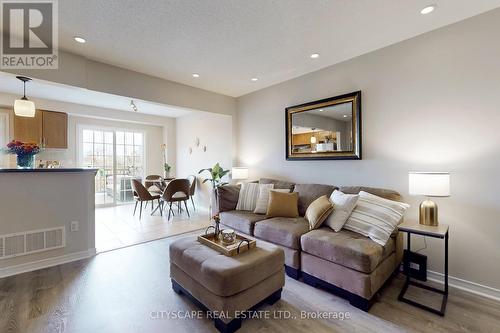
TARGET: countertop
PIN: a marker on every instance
(48, 170)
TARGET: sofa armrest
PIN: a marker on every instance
(227, 197)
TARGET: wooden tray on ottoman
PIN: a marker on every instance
(242, 244)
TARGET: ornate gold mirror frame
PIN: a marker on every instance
(355, 147)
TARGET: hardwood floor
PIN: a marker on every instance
(117, 227)
(126, 290)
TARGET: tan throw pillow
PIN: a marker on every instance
(318, 211)
(283, 204)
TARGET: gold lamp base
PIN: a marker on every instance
(428, 213)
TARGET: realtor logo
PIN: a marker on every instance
(29, 38)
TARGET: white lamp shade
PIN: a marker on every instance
(24, 108)
(432, 184)
(239, 173)
(313, 139)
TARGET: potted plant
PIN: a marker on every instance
(166, 166)
(216, 175)
(25, 152)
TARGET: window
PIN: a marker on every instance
(119, 157)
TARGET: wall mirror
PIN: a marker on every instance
(328, 129)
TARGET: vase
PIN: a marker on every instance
(25, 161)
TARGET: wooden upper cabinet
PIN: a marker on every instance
(28, 129)
(47, 127)
(54, 129)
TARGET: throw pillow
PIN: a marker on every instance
(249, 193)
(318, 211)
(343, 204)
(283, 204)
(263, 199)
(376, 217)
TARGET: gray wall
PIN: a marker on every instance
(430, 103)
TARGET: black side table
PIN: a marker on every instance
(441, 231)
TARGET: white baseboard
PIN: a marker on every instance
(471, 287)
(44, 263)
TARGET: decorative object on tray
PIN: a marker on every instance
(430, 184)
(216, 227)
(240, 245)
(25, 152)
(228, 236)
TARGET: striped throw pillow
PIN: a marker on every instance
(376, 217)
(249, 193)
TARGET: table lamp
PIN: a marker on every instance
(239, 173)
(430, 184)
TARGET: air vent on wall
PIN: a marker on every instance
(23, 243)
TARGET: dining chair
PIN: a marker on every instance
(141, 194)
(177, 191)
(153, 180)
(192, 187)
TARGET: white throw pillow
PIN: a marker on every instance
(376, 217)
(263, 199)
(249, 192)
(343, 204)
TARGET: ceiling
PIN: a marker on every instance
(342, 112)
(64, 93)
(228, 42)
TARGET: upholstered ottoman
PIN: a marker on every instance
(227, 286)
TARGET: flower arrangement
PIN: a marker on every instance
(216, 219)
(25, 152)
(166, 166)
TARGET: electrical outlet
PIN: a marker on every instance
(74, 226)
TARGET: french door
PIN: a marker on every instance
(119, 157)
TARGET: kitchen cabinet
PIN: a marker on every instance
(54, 129)
(48, 128)
(28, 129)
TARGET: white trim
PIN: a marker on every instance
(45, 263)
(468, 286)
(4, 132)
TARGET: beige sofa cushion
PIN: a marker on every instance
(282, 231)
(278, 184)
(310, 192)
(318, 211)
(241, 220)
(282, 204)
(381, 192)
(346, 248)
(222, 275)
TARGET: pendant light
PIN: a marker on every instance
(24, 107)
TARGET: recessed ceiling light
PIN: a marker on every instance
(321, 110)
(254, 79)
(314, 55)
(427, 10)
(80, 40)
(345, 116)
(196, 75)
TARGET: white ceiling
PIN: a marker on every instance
(64, 93)
(230, 41)
(336, 112)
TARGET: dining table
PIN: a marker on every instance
(161, 183)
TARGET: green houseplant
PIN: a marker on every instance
(216, 175)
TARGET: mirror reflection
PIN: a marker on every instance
(326, 129)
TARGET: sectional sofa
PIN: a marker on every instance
(349, 264)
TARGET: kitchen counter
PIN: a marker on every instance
(52, 214)
(49, 170)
